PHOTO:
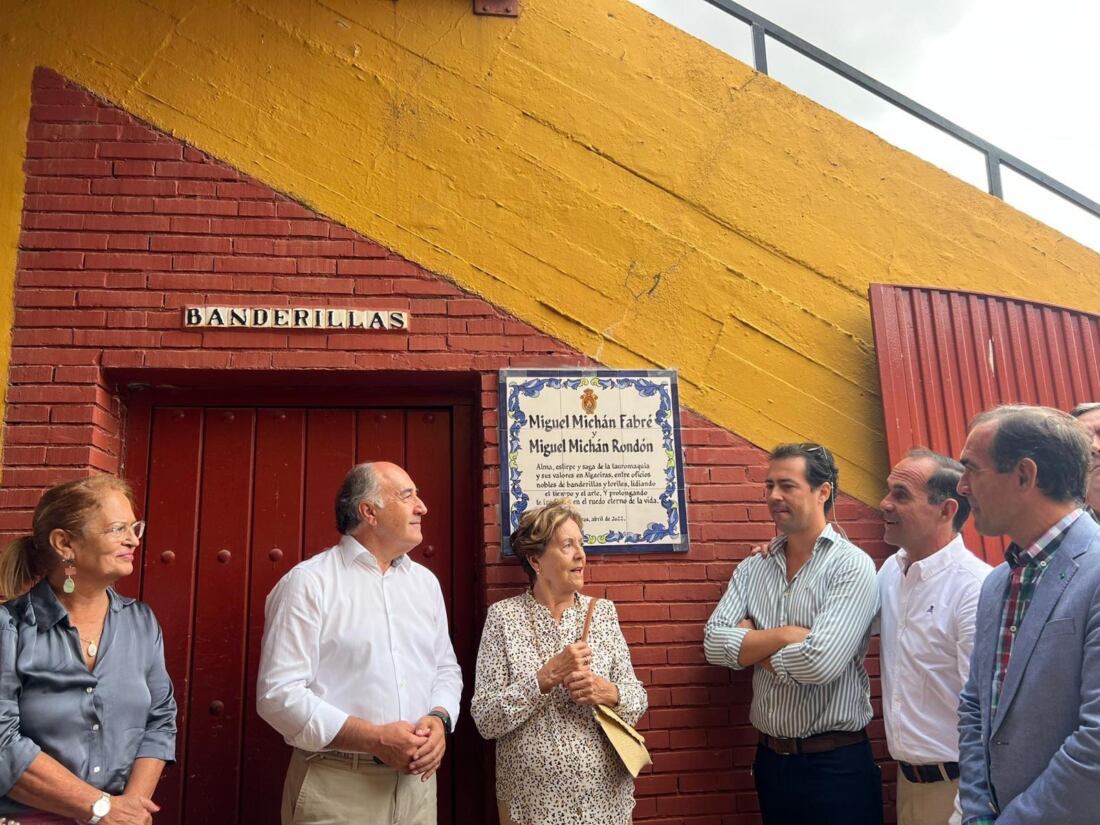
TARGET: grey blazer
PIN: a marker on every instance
(1037, 760)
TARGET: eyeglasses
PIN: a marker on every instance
(117, 532)
(810, 447)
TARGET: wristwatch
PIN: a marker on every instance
(100, 808)
(443, 717)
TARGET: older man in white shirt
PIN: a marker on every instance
(929, 594)
(358, 673)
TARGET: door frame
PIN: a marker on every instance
(459, 393)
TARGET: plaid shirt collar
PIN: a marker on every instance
(1044, 546)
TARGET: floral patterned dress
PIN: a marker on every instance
(554, 765)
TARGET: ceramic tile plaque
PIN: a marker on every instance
(609, 440)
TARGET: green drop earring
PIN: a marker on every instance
(70, 564)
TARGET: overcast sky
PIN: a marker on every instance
(1023, 79)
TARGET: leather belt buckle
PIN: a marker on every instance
(780, 745)
(818, 743)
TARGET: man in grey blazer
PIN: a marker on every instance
(1029, 716)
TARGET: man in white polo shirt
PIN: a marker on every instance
(929, 594)
(358, 673)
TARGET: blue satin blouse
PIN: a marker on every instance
(95, 723)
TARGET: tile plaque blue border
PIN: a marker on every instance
(662, 433)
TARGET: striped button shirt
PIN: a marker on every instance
(1028, 567)
(819, 684)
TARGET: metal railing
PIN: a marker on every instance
(995, 157)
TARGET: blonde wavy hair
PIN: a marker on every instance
(63, 507)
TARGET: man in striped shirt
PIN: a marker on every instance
(1029, 716)
(802, 616)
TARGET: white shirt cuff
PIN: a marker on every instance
(322, 728)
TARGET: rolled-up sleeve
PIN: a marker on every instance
(159, 741)
(839, 628)
(288, 665)
(502, 700)
(16, 751)
(722, 638)
(633, 700)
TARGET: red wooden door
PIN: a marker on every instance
(235, 497)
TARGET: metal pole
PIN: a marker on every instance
(993, 174)
(759, 48)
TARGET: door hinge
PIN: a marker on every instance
(497, 8)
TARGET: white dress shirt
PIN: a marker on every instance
(343, 639)
(927, 626)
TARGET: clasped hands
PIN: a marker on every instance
(412, 749)
(572, 669)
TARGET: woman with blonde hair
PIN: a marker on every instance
(537, 681)
(87, 717)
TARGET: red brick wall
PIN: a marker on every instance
(124, 225)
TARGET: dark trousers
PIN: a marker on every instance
(838, 787)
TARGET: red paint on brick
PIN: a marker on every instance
(133, 186)
(185, 169)
(43, 220)
(141, 151)
(61, 167)
(194, 206)
(191, 243)
(58, 186)
(142, 168)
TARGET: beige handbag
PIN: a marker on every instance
(627, 742)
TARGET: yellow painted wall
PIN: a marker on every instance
(587, 167)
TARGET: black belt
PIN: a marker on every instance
(939, 772)
(818, 743)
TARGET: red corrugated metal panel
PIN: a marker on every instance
(944, 356)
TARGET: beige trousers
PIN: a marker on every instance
(925, 803)
(322, 790)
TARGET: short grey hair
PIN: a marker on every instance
(536, 529)
(1051, 438)
(1087, 407)
(362, 483)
